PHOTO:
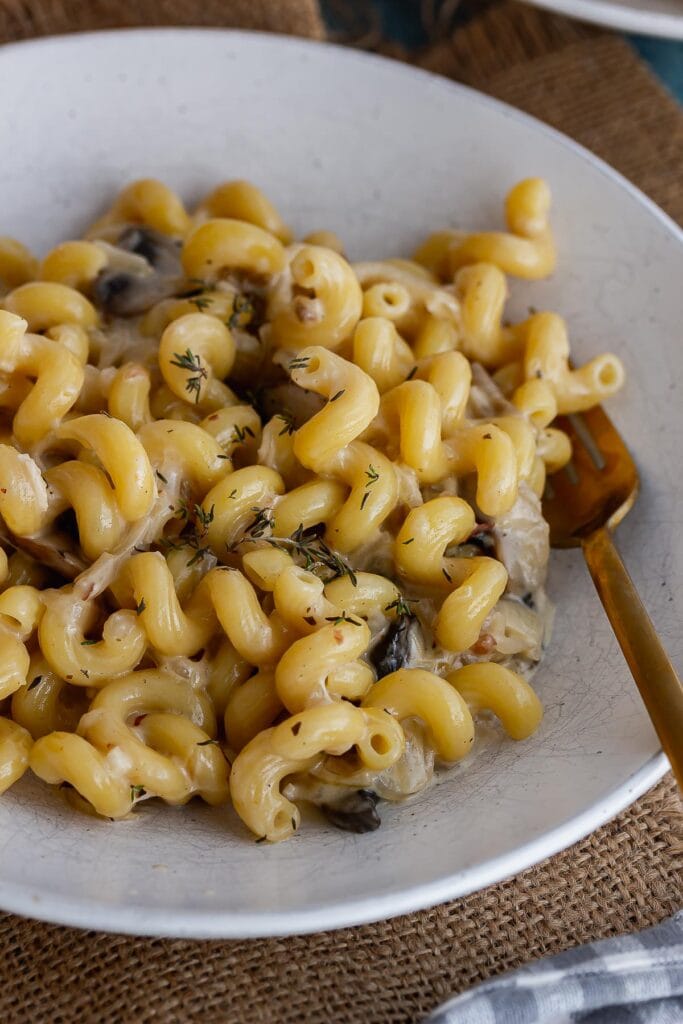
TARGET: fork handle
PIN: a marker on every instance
(655, 676)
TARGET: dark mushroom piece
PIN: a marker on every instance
(356, 812)
(122, 292)
(54, 551)
(396, 648)
(160, 251)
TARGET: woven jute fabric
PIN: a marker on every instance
(24, 19)
(625, 876)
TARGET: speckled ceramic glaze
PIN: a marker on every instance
(652, 17)
(380, 153)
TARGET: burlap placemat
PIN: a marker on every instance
(624, 877)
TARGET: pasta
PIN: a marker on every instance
(270, 521)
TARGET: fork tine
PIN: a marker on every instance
(597, 487)
(583, 433)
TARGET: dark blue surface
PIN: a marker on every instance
(400, 21)
(665, 56)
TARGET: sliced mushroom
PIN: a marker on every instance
(123, 294)
(355, 812)
(134, 283)
(397, 647)
(522, 543)
(160, 251)
(54, 551)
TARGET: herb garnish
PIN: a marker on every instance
(240, 433)
(316, 554)
(400, 606)
(242, 312)
(198, 522)
(288, 421)
(373, 476)
(191, 362)
(336, 620)
(262, 521)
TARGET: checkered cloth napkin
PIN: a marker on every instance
(637, 979)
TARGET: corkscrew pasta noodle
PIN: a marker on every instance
(270, 520)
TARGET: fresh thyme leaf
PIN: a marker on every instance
(240, 433)
(336, 620)
(373, 476)
(204, 518)
(197, 522)
(135, 792)
(191, 362)
(317, 556)
(338, 395)
(197, 556)
(88, 643)
(242, 311)
(288, 421)
(201, 302)
(262, 521)
(400, 606)
(409, 541)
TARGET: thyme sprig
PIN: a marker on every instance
(401, 606)
(198, 521)
(318, 557)
(191, 362)
(262, 521)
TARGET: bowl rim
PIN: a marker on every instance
(91, 914)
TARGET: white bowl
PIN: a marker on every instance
(651, 17)
(381, 153)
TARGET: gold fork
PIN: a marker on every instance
(583, 503)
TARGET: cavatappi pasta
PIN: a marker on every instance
(270, 520)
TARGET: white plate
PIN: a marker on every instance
(651, 17)
(380, 153)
